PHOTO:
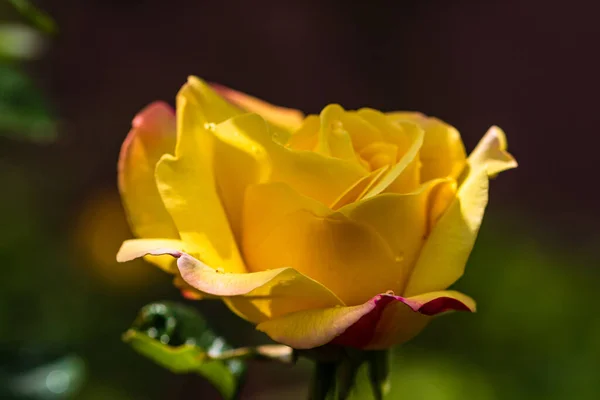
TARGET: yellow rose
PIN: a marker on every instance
(345, 227)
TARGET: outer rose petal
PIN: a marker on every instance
(214, 108)
(151, 136)
(443, 258)
(360, 326)
(491, 152)
(152, 249)
(136, 248)
(286, 118)
(186, 183)
(211, 107)
(398, 323)
(256, 296)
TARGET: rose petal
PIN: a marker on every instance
(444, 255)
(152, 135)
(361, 326)
(403, 177)
(186, 183)
(256, 296)
(319, 177)
(359, 188)
(152, 249)
(286, 118)
(333, 139)
(210, 106)
(443, 152)
(491, 152)
(136, 248)
(402, 220)
(283, 228)
(240, 160)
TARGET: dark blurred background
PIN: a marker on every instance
(528, 66)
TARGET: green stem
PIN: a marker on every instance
(269, 352)
(379, 370)
(323, 381)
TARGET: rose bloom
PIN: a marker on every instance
(345, 227)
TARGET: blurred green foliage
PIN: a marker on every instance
(24, 112)
(20, 42)
(35, 16)
(26, 376)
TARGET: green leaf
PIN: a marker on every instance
(178, 338)
(35, 16)
(24, 113)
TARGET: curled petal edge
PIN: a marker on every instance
(255, 296)
(368, 325)
(491, 152)
(360, 326)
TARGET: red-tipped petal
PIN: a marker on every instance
(381, 322)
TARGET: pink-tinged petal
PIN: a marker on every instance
(155, 119)
(256, 296)
(286, 118)
(187, 291)
(151, 249)
(391, 322)
(399, 323)
(314, 328)
(438, 302)
(381, 322)
(151, 136)
(136, 248)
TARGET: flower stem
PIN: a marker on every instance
(269, 352)
(323, 381)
